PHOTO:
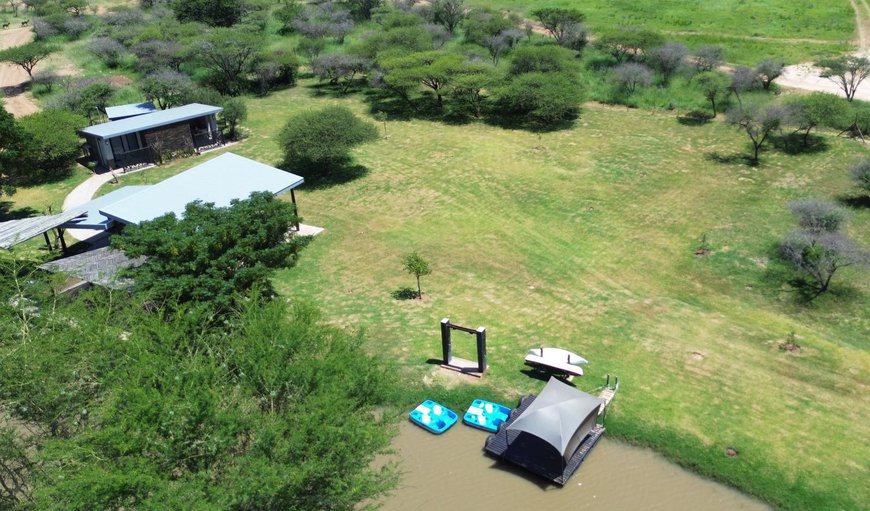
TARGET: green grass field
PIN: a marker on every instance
(585, 239)
(792, 30)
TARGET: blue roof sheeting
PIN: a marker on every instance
(219, 181)
(153, 120)
(131, 110)
(93, 219)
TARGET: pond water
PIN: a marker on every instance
(450, 471)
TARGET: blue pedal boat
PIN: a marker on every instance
(486, 415)
(433, 417)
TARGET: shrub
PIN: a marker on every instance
(54, 144)
(861, 174)
(818, 216)
(321, 140)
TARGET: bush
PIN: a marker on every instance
(235, 111)
(108, 50)
(861, 174)
(321, 140)
(54, 143)
(546, 99)
(630, 75)
(818, 216)
(542, 59)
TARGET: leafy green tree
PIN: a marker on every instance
(758, 122)
(805, 113)
(235, 112)
(559, 22)
(542, 59)
(216, 13)
(709, 58)
(394, 42)
(714, 85)
(448, 13)
(483, 23)
(166, 88)
(545, 99)
(211, 254)
(229, 54)
(27, 56)
(13, 141)
(418, 267)
(861, 174)
(364, 8)
(339, 68)
(54, 144)
(287, 13)
(470, 88)
(629, 42)
(321, 140)
(433, 69)
(310, 47)
(667, 59)
(140, 408)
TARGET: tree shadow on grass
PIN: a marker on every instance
(694, 118)
(404, 293)
(732, 159)
(856, 202)
(526, 123)
(338, 91)
(7, 213)
(318, 179)
(795, 143)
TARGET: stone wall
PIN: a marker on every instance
(170, 142)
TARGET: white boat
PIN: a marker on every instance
(556, 360)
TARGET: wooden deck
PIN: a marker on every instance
(497, 445)
(606, 395)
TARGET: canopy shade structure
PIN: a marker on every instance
(219, 181)
(153, 120)
(116, 113)
(548, 432)
(14, 232)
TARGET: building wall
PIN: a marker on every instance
(170, 141)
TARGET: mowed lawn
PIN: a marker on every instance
(795, 30)
(585, 239)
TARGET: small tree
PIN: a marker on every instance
(167, 88)
(433, 69)
(714, 85)
(339, 68)
(821, 255)
(847, 72)
(54, 144)
(287, 13)
(861, 174)
(310, 47)
(229, 54)
(818, 216)
(668, 59)
(109, 50)
(235, 112)
(418, 267)
(27, 56)
(469, 89)
(743, 79)
(448, 13)
(558, 22)
(321, 140)
(758, 122)
(13, 141)
(631, 74)
(817, 109)
(768, 70)
(629, 42)
(708, 58)
(544, 99)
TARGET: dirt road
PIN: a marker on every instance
(12, 77)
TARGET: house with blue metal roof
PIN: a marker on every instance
(153, 137)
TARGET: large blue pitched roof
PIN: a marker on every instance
(153, 120)
(219, 181)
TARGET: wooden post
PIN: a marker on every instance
(295, 207)
(445, 340)
(47, 241)
(62, 241)
(480, 333)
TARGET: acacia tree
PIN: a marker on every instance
(847, 72)
(708, 58)
(433, 69)
(768, 70)
(758, 122)
(230, 54)
(667, 59)
(166, 87)
(714, 85)
(562, 24)
(27, 56)
(743, 79)
(211, 253)
(448, 13)
(629, 75)
(469, 88)
(418, 267)
(821, 255)
(235, 111)
(339, 68)
(629, 42)
(805, 113)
